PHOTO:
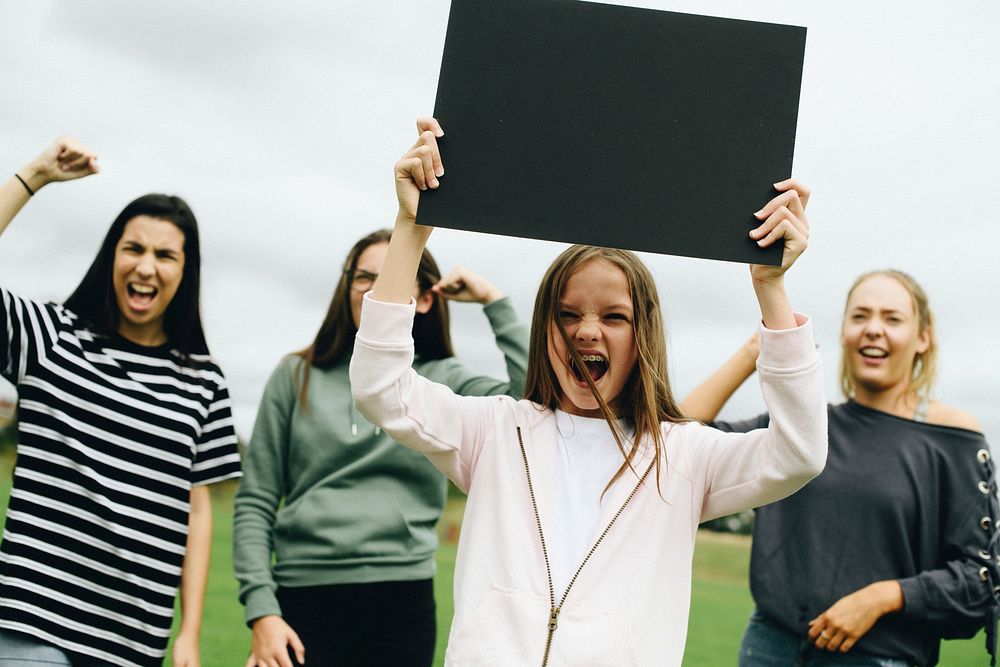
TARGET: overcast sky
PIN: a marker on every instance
(280, 123)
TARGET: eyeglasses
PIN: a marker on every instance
(362, 281)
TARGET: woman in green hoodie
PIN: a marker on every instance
(334, 529)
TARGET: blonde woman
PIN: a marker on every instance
(893, 547)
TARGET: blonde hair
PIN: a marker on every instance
(924, 363)
(646, 399)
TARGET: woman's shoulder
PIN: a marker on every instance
(289, 374)
(14, 306)
(940, 414)
(293, 362)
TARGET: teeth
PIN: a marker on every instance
(873, 352)
(592, 357)
(142, 289)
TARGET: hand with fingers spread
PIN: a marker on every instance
(272, 637)
(419, 168)
(465, 285)
(843, 624)
(64, 159)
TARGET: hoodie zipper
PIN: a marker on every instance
(554, 609)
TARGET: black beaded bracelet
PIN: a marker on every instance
(31, 192)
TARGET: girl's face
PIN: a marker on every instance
(149, 265)
(369, 265)
(596, 310)
(881, 335)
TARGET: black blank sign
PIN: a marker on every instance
(614, 126)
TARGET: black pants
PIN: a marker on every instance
(387, 623)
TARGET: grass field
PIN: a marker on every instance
(720, 602)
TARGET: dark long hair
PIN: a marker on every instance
(94, 301)
(335, 338)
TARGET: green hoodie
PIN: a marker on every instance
(357, 507)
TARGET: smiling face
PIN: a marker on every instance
(596, 311)
(881, 338)
(149, 265)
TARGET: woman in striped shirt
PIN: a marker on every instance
(123, 421)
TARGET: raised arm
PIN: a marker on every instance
(417, 170)
(417, 413)
(706, 400)
(784, 217)
(511, 334)
(744, 470)
(63, 160)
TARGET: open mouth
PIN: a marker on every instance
(873, 353)
(594, 365)
(141, 296)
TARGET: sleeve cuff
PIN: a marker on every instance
(386, 324)
(261, 602)
(913, 606)
(788, 349)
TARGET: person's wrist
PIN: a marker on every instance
(770, 281)
(266, 619)
(889, 594)
(34, 176)
(491, 296)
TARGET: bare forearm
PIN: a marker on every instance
(395, 282)
(775, 310)
(706, 400)
(194, 573)
(14, 195)
(63, 160)
(887, 595)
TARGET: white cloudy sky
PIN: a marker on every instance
(280, 123)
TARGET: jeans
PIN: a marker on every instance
(17, 649)
(766, 645)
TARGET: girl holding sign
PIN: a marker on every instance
(905, 553)
(584, 499)
(123, 422)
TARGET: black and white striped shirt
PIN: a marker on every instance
(112, 436)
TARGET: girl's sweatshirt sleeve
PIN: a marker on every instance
(738, 471)
(420, 414)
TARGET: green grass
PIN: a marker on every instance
(720, 599)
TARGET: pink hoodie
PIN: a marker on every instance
(630, 603)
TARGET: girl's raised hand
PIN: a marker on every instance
(419, 168)
(63, 160)
(465, 285)
(784, 217)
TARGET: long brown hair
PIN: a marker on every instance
(335, 339)
(924, 363)
(646, 398)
